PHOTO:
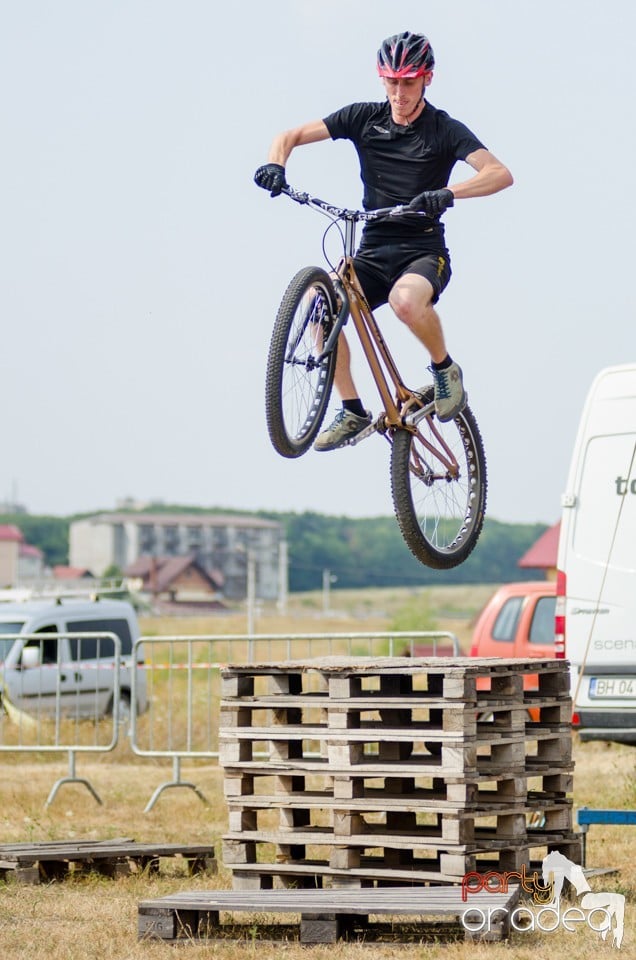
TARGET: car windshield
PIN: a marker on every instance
(8, 626)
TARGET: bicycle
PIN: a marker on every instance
(438, 470)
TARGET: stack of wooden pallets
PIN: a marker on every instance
(362, 772)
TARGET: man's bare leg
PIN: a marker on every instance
(352, 418)
(343, 378)
(411, 299)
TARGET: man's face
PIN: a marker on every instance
(404, 94)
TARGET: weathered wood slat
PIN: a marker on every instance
(381, 801)
(54, 860)
(483, 841)
(378, 700)
(419, 765)
(325, 915)
(404, 901)
(373, 666)
(445, 868)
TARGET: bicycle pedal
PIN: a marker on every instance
(372, 428)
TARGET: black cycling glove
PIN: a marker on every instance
(432, 202)
(271, 176)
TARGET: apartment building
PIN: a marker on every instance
(223, 544)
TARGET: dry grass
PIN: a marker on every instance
(97, 918)
(452, 609)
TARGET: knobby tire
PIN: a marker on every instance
(440, 516)
(297, 389)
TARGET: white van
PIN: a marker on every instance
(596, 580)
(70, 675)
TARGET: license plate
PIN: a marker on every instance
(613, 687)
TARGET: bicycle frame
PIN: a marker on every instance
(397, 413)
(438, 468)
(374, 346)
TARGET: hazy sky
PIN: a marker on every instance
(141, 268)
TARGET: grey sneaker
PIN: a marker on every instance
(345, 426)
(450, 396)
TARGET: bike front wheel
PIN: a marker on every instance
(299, 379)
(439, 487)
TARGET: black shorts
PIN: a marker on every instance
(380, 266)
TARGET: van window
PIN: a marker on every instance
(48, 647)
(91, 648)
(506, 623)
(542, 626)
(5, 645)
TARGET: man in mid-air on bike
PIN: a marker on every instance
(407, 149)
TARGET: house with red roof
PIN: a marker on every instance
(10, 540)
(542, 555)
(20, 562)
(177, 582)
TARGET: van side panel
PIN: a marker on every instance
(597, 553)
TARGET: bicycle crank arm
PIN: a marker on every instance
(412, 419)
(367, 432)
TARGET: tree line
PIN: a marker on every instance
(369, 552)
(358, 552)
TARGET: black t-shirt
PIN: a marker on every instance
(398, 162)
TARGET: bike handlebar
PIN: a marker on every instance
(342, 213)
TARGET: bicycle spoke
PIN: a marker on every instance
(439, 488)
(298, 382)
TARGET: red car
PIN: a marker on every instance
(517, 621)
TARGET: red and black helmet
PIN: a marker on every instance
(405, 55)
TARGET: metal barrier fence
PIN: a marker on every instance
(182, 683)
(61, 693)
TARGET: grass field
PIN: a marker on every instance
(93, 917)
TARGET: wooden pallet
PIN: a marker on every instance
(325, 916)
(448, 678)
(46, 861)
(391, 816)
(418, 767)
(382, 771)
(393, 863)
(457, 715)
(293, 782)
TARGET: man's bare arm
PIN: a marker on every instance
(284, 143)
(492, 176)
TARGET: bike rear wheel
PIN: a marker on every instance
(297, 384)
(439, 495)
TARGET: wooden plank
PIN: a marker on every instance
(373, 666)
(559, 776)
(70, 850)
(53, 860)
(434, 801)
(325, 915)
(419, 699)
(466, 838)
(404, 901)
(373, 732)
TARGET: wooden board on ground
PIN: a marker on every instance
(45, 861)
(325, 915)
